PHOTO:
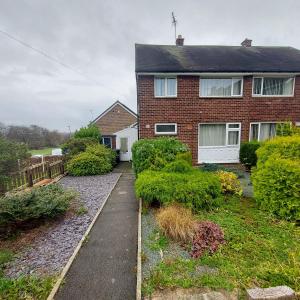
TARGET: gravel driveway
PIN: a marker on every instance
(49, 253)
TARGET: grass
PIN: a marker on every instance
(259, 251)
(44, 151)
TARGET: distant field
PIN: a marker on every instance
(45, 151)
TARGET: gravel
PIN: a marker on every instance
(49, 253)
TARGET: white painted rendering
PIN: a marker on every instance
(131, 134)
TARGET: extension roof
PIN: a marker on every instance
(210, 59)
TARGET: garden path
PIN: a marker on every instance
(105, 267)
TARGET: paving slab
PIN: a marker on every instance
(105, 267)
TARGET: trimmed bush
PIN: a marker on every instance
(85, 163)
(248, 155)
(276, 186)
(287, 147)
(91, 131)
(154, 154)
(40, 203)
(176, 222)
(229, 183)
(103, 152)
(178, 166)
(197, 190)
(75, 146)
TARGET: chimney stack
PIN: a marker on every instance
(179, 40)
(246, 43)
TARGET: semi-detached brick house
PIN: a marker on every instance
(214, 97)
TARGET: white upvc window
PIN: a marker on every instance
(221, 87)
(165, 87)
(261, 131)
(219, 134)
(166, 128)
(273, 86)
(107, 141)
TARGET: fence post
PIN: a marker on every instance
(28, 173)
(48, 170)
(62, 168)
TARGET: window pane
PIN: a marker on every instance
(257, 86)
(215, 87)
(166, 128)
(233, 137)
(106, 141)
(124, 144)
(236, 87)
(267, 131)
(254, 132)
(212, 135)
(159, 87)
(234, 126)
(171, 86)
(278, 86)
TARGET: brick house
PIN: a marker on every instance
(118, 126)
(214, 97)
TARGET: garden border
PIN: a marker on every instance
(78, 247)
(139, 255)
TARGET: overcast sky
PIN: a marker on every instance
(96, 39)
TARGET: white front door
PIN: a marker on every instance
(219, 143)
(125, 152)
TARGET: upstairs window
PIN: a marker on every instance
(221, 87)
(165, 87)
(267, 86)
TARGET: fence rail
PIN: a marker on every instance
(33, 174)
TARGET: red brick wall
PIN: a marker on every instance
(188, 110)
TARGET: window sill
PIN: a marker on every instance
(165, 133)
(221, 97)
(272, 96)
(165, 97)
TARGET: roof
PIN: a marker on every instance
(169, 58)
(111, 107)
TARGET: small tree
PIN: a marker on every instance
(11, 153)
(91, 131)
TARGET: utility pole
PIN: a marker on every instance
(69, 127)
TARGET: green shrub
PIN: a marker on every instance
(85, 163)
(248, 155)
(103, 152)
(276, 185)
(229, 183)
(178, 166)
(91, 131)
(154, 154)
(43, 202)
(187, 156)
(75, 146)
(287, 147)
(287, 129)
(197, 190)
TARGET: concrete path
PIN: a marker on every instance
(105, 267)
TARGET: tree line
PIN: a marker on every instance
(35, 137)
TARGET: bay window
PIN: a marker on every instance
(221, 87)
(273, 86)
(165, 87)
(262, 131)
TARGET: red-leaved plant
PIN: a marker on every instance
(208, 237)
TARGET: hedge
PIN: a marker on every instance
(197, 190)
(248, 155)
(154, 154)
(276, 180)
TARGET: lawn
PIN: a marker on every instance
(44, 151)
(259, 251)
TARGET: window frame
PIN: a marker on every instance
(231, 96)
(165, 133)
(166, 86)
(264, 122)
(262, 86)
(107, 137)
(227, 130)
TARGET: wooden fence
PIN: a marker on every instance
(33, 174)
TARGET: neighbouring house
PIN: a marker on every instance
(118, 126)
(214, 97)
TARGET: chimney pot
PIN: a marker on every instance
(246, 43)
(179, 40)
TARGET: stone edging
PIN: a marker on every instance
(139, 256)
(79, 245)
